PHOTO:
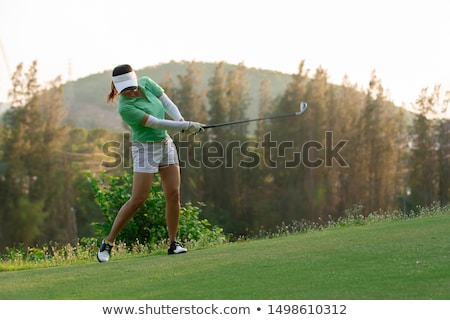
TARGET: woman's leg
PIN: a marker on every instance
(170, 179)
(142, 183)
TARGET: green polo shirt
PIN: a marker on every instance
(132, 110)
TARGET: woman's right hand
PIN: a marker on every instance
(194, 128)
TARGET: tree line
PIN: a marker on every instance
(351, 147)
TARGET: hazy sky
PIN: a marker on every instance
(406, 42)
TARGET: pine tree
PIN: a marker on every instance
(189, 97)
(192, 105)
(37, 175)
(265, 101)
(237, 96)
(228, 98)
(378, 144)
(423, 177)
(217, 95)
(318, 182)
(23, 214)
(283, 147)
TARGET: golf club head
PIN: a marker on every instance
(303, 106)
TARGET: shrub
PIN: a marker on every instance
(149, 223)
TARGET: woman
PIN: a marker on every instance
(142, 105)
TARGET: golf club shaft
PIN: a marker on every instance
(250, 120)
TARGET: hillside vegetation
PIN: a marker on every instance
(351, 150)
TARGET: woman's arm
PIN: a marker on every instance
(163, 124)
(170, 107)
(188, 127)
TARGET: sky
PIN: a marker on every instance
(407, 43)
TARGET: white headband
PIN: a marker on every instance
(125, 80)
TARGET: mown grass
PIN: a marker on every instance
(393, 259)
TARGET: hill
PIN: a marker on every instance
(86, 104)
(393, 259)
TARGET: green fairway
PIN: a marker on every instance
(407, 259)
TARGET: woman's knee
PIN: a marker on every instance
(172, 195)
(137, 201)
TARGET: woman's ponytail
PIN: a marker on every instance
(112, 94)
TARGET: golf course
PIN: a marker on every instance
(399, 259)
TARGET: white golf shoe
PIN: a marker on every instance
(175, 248)
(104, 252)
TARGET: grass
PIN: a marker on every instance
(398, 259)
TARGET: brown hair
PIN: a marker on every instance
(112, 95)
(122, 69)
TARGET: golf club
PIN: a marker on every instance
(303, 106)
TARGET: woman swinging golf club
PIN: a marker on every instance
(142, 105)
